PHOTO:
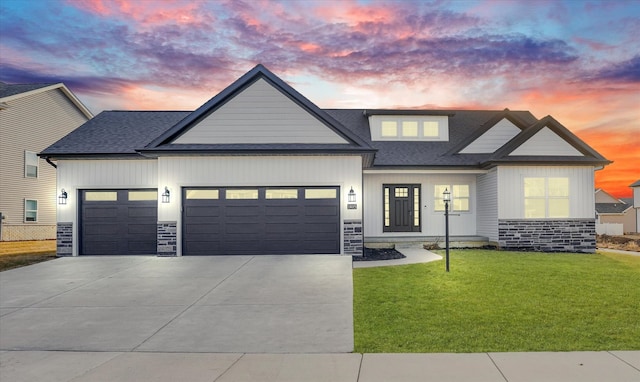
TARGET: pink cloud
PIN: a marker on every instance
(146, 13)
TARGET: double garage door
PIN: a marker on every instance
(261, 220)
(215, 221)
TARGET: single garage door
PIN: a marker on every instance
(118, 222)
(261, 221)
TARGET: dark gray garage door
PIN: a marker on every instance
(261, 220)
(118, 222)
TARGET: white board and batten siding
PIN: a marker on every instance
(260, 114)
(247, 171)
(75, 175)
(494, 138)
(32, 123)
(432, 222)
(546, 142)
(487, 208)
(511, 189)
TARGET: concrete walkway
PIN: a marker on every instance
(632, 253)
(618, 366)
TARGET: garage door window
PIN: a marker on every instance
(142, 195)
(320, 193)
(242, 194)
(101, 196)
(281, 194)
(203, 194)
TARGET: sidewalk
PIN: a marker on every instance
(619, 366)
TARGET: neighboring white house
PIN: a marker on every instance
(613, 215)
(260, 169)
(32, 117)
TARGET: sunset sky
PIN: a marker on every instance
(578, 61)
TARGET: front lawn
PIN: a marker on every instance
(500, 301)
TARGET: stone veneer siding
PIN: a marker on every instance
(353, 238)
(64, 239)
(167, 238)
(571, 235)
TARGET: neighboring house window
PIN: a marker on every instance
(546, 198)
(30, 164)
(459, 197)
(30, 210)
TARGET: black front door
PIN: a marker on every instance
(401, 207)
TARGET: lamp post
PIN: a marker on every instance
(446, 198)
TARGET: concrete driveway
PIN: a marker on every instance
(222, 304)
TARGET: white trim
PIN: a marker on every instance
(62, 88)
(411, 172)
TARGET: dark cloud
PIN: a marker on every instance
(625, 71)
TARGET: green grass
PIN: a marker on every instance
(500, 301)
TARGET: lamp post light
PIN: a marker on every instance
(446, 198)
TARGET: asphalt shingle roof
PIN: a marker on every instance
(8, 90)
(612, 208)
(116, 132)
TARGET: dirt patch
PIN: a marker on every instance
(624, 243)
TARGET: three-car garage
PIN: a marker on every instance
(215, 221)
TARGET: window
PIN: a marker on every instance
(389, 128)
(546, 198)
(286, 193)
(30, 164)
(459, 197)
(101, 196)
(320, 193)
(202, 194)
(30, 210)
(242, 194)
(409, 127)
(143, 195)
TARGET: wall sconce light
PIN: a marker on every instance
(166, 195)
(62, 198)
(351, 198)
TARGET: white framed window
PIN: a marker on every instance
(30, 210)
(546, 197)
(460, 196)
(30, 164)
(409, 127)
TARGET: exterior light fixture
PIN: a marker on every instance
(166, 195)
(62, 198)
(352, 196)
(446, 198)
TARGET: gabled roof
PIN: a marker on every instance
(590, 156)
(635, 184)
(10, 92)
(163, 143)
(612, 208)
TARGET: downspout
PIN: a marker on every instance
(50, 162)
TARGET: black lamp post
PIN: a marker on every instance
(446, 198)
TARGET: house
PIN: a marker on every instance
(635, 186)
(32, 117)
(613, 215)
(260, 169)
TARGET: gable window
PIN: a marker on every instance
(30, 164)
(409, 127)
(546, 197)
(459, 197)
(30, 210)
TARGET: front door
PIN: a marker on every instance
(401, 208)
